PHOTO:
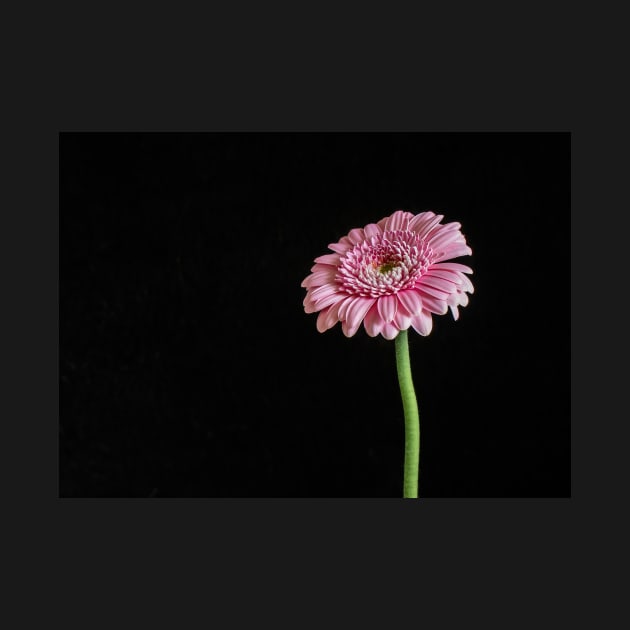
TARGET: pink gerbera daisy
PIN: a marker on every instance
(390, 275)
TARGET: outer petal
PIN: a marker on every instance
(373, 321)
(382, 223)
(340, 248)
(321, 320)
(444, 228)
(451, 276)
(467, 285)
(402, 320)
(387, 305)
(433, 305)
(357, 235)
(372, 230)
(319, 278)
(445, 237)
(422, 323)
(411, 300)
(322, 292)
(446, 286)
(390, 331)
(309, 305)
(345, 304)
(453, 301)
(426, 287)
(328, 300)
(333, 315)
(440, 270)
(453, 251)
(328, 259)
(451, 266)
(320, 267)
(355, 314)
(423, 225)
(420, 220)
(399, 220)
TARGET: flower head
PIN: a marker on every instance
(390, 275)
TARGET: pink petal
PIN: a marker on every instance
(453, 299)
(328, 259)
(345, 304)
(323, 291)
(402, 319)
(340, 248)
(453, 225)
(455, 312)
(319, 278)
(328, 300)
(373, 321)
(453, 251)
(429, 303)
(355, 314)
(321, 320)
(451, 267)
(443, 238)
(372, 230)
(398, 220)
(333, 315)
(441, 229)
(320, 267)
(387, 307)
(422, 323)
(423, 227)
(411, 300)
(467, 285)
(429, 289)
(389, 331)
(357, 235)
(309, 305)
(437, 283)
(420, 220)
(451, 276)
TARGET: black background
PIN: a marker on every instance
(189, 369)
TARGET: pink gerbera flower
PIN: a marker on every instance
(390, 275)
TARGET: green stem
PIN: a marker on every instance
(412, 418)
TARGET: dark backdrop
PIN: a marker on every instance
(188, 367)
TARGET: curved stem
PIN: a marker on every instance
(412, 418)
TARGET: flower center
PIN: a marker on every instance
(388, 266)
(384, 264)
